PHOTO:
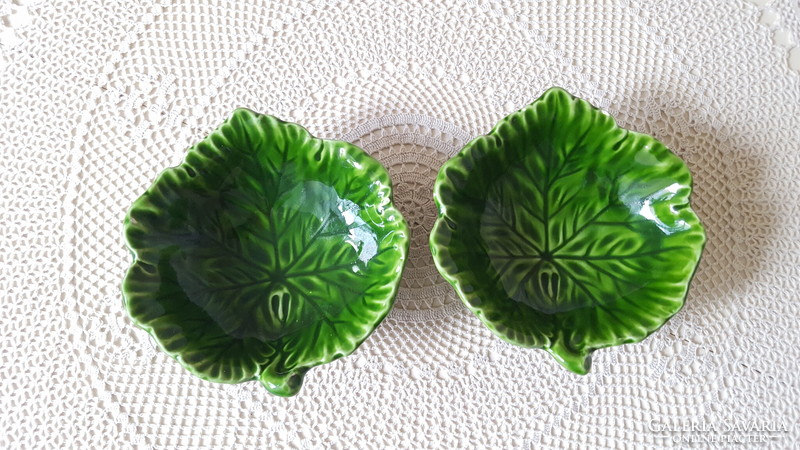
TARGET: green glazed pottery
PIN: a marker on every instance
(265, 253)
(562, 231)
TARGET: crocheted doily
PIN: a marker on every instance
(97, 97)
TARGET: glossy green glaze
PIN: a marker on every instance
(265, 253)
(562, 231)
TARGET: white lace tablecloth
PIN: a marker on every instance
(96, 97)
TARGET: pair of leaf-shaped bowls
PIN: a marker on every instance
(268, 252)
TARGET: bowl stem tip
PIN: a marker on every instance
(283, 384)
(579, 362)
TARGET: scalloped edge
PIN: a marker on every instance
(578, 362)
(289, 384)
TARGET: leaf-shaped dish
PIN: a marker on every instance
(265, 253)
(562, 231)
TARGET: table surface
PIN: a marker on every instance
(96, 97)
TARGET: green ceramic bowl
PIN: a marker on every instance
(267, 252)
(562, 231)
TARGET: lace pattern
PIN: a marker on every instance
(98, 97)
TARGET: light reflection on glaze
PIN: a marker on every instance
(645, 208)
(313, 197)
(360, 236)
